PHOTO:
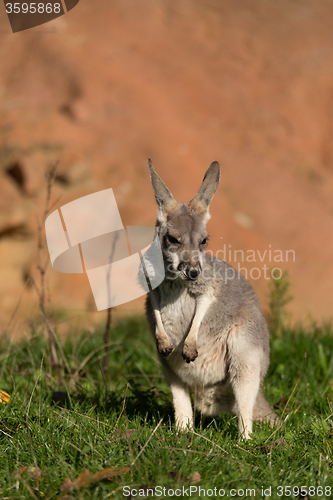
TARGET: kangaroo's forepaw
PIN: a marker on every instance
(164, 347)
(190, 352)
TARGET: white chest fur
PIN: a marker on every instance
(177, 308)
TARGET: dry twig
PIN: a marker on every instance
(42, 268)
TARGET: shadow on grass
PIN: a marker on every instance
(149, 405)
(136, 401)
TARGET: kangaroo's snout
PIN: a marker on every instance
(192, 273)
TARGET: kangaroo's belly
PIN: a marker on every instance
(209, 368)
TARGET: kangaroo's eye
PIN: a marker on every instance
(173, 240)
(204, 241)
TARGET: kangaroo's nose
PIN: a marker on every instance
(192, 273)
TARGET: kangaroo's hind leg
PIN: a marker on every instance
(245, 386)
(245, 377)
(262, 412)
(180, 398)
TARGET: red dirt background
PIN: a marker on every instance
(109, 84)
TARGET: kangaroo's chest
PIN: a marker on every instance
(177, 309)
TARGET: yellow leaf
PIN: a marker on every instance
(108, 473)
(4, 397)
(85, 479)
(194, 477)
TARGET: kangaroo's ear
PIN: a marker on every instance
(163, 195)
(204, 196)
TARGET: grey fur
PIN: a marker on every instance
(210, 333)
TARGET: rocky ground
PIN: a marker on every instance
(99, 90)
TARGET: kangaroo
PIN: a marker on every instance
(211, 336)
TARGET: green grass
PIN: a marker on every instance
(127, 421)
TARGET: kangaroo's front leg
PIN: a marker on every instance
(190, 352)
(163, 343)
